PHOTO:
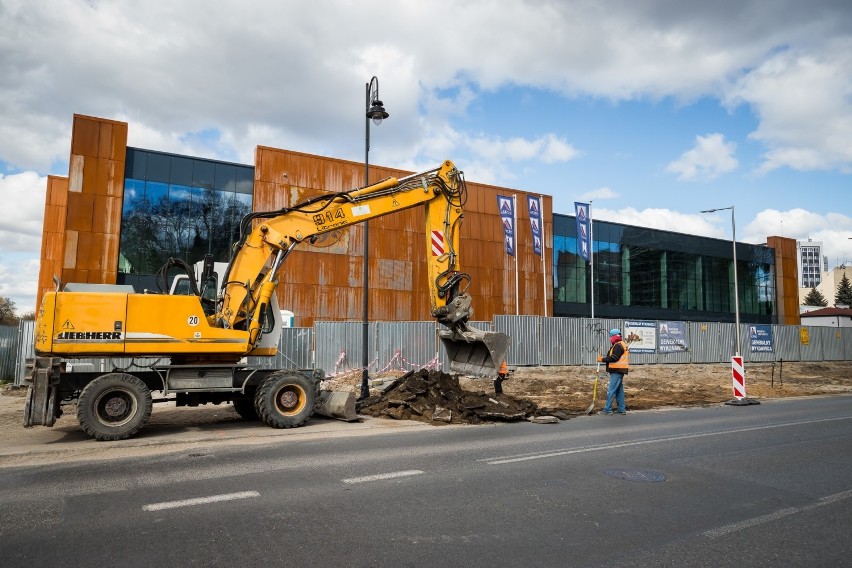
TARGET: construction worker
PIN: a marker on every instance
(617, 361)
(501, 376)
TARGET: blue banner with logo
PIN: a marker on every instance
(582, 211)
(534, 206)
(507, 214)
(760, 337)
(673, 337)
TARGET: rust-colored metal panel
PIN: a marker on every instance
(75, 172)
(106, 214)
(103, 175)
(89, 251)
(70, 255)
(90, 175)
(110, 258)
(105, 140)
(786, 280)
(118, 151)
(57, 191)
(85, 135)
(80, 211)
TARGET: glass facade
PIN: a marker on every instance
(643, 273)
(179, 207)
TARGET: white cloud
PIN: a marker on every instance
(711, 157)
(833, 230)
(665, 219)
(598, 194)
(804, 101)
(23, 211)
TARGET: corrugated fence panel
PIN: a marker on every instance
(338, 346)
(561, 340)
(788, 343)
(813, 350)
(706, 340)
(847, 343)
(524, 334)
(595, 338)
(407, 346)
(832, 347)
(295, 351)
(26, 349)
(8, 352)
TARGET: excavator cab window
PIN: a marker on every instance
(208, 294)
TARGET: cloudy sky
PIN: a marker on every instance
(652, 110)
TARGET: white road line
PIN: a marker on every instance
(527, 457)
(780, 514)
(200, 501)
(382, 476)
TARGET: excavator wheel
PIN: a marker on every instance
(114, 406)
(285, 400)
(245, 408)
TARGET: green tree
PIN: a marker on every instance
(844, 292)
(7, 312)
(815, 298)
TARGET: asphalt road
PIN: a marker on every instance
(763, 485)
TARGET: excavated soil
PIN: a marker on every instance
(567, 391)
(437, 398)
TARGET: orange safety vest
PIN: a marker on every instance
(624, 361)
(503, 368)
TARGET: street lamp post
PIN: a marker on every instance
(375, 112)
(736, 286)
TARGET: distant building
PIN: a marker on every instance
(828, 317)
(829, 282)
(810, 264)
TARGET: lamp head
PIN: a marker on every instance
(377, 112)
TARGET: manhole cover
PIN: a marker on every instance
(643, 475)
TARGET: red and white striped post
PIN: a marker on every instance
(738, 376)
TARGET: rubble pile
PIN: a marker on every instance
(437, 398)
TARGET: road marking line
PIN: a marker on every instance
(780, 514)
(527, 457)
(200, 501)
(382, 476)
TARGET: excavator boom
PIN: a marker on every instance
(252, 275)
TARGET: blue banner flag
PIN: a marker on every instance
(507, 214)
(534, 206)
(582, 210)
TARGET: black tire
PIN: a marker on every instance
(245, 408)
(285, 400)
(114, 407)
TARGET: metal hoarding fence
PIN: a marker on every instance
(335, 347)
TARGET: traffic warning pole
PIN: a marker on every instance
(738, 376)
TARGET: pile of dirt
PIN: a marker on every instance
(438, 398)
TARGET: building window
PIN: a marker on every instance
(180, 207)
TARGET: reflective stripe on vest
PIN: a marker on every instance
(625, 357)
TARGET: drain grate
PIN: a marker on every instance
(632, 474)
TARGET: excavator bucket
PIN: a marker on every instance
(337, 404)
(475, 352)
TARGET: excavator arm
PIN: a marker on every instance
(268, 237)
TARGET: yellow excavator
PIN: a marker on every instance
(199, 340)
